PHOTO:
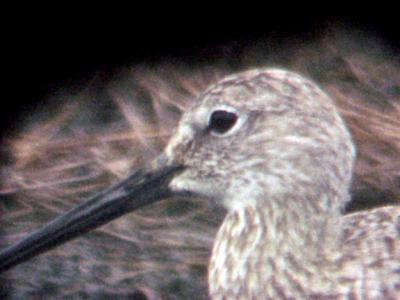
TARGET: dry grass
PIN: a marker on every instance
(99, 137)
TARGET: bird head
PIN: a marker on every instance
(253, 138)
(262, 135)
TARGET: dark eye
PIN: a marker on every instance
(221, 121)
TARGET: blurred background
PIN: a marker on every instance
(47, 49)
(88, 97)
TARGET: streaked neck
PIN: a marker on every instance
(274, 249)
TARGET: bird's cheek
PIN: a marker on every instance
(180, 183)
(186, 182)
(190, 182)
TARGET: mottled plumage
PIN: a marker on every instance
(61, 157)
(284, 173)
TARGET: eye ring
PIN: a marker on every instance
(222, 121)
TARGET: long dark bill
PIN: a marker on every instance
(141, 188)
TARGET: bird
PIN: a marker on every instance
(269, 146)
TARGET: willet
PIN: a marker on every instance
(270, 146)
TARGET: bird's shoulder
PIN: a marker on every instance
(379, 226)
(371, 251)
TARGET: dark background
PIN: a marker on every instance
(48, 51)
